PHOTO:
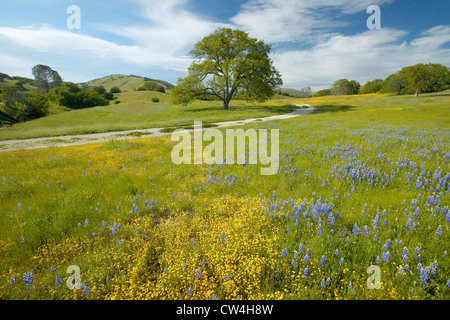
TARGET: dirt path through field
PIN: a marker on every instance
(73, 140)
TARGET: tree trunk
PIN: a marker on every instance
(225, 104)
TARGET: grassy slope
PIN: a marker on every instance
(125, 83)
(137, 111)
(65, 187)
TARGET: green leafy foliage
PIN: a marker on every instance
(371, 86)
(345, 87)
(420, 78)
(20, 107)
(71, 96)
(227, 64)
(46, 78)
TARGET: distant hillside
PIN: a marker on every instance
(288, 92)
(26, 83)
(125, 83)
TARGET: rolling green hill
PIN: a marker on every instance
(125, 83)
(26, 83)
(293, 93)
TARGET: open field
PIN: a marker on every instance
(137, 111)
(364, 180)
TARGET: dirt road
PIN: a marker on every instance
(73, 140)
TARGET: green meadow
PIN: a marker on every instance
(362, 181)
(136, 110)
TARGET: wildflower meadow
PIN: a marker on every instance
(358, 209)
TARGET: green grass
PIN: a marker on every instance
(137, 111)
(125, 83)
(399, 138)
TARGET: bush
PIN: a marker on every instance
(36, 106)
(115, 90)
(323, 92)
(108, 95)
(155, 99)
(89, 99)
(152, 86)
(100, 89)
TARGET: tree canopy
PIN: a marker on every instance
(345, 87)
(420, 78)
(46, 78)
(228, 63)
(416, 79)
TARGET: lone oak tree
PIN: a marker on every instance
(228, 63)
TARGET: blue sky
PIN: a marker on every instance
(313, 42)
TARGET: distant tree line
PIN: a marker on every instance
(152, 85)
(417, 79)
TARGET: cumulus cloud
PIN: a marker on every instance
(308, 50)
(169, 29)
(362, 57)
(163, 41)
(50, 40)
(296, 20)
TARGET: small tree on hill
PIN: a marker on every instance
(46, 78)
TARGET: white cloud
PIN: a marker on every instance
(169, 29)
(78, 48)
(162, 42)
(362, 57)
(296, 20)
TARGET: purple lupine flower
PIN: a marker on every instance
(28, 278)
(305, 272)
(386, 256)
(306, 258)
(438, 232)
(405, 254)
(424, 273)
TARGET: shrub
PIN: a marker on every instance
(155, 99)
(115, 90)
(88, 99)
